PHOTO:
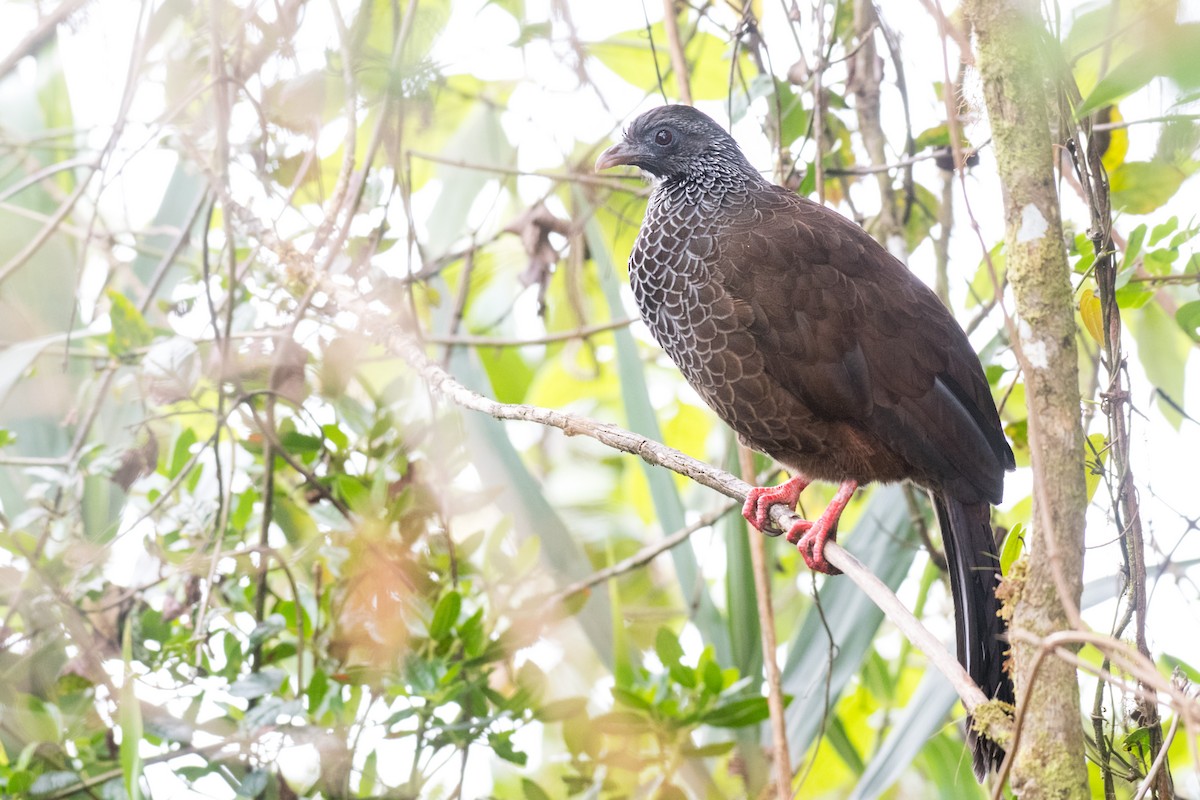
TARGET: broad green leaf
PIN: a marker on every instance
(666, 645)
(737, 713)
(709, 750)
(630, 56)
(129, 327)
(531, 791)
(253, 784)
(1133, 246)
(1014, 544)
(990, 270)
(257, 684)
(445, 615)
(1171, 53)
(15, 359)
(1162, 230)
(1188, 317)
(1139, 187)
(501, 744)
(559, 710)
(1163, 350)
(1125, 79)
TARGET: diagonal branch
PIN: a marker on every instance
(441, 382)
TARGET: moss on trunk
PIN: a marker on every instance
(1050, 762)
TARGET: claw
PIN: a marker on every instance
(810, 537)
(757, 509)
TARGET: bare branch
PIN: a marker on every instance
(658, 454)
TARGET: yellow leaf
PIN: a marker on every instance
(1117, 144)
(1093, 320)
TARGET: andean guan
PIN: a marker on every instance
(822, 350)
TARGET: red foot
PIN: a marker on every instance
(760, 499)
(810, 537)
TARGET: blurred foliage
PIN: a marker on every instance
(244, 552)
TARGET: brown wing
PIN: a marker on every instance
(849, 331)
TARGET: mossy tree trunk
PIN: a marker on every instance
(1050, 760)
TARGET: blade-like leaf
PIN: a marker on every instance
(926, 710)
(883, 541)
(130, 721)
(641, 418)
(521, 496)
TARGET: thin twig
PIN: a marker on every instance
(644, 556)
(675, 46)
(550, 338)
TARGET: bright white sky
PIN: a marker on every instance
(548, 115)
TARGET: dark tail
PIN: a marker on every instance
(974, 566)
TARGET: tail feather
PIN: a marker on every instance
(974, 566)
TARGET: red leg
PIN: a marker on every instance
(810, 537)
(760, 499)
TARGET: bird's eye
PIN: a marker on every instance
(664, 137)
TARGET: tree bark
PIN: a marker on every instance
(1050, 760)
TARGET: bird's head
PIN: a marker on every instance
(674, 142)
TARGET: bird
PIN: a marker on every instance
(822, 350)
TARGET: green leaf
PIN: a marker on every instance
(741, 597)
(16, 358)
(558, 710)
(501, 744)
(627, 697)
(629, 54)
(1174, 663)
(1170, 52)
(257, 684)
(713, 750)
(1162, 230)
(130, 722)
(1014, 543)
(253, 784)
(621, 723)
(714, 679)
(738, 713)
(840, 739)
(531, 791)
(445, 615)
(937, 136)
(129, 327)
(667, 646)
(1139, 187)
(1125, 79)
(1164, 350)
(1133, 246)
(1188, 317)
(1095, 455)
